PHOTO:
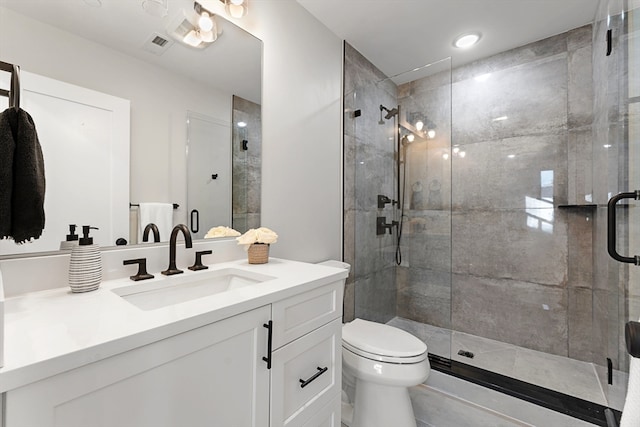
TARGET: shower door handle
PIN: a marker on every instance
(611, 227)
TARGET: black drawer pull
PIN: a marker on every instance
(321, 371)
(269, 326)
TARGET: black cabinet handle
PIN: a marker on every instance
(269, 327)
(195, 224)
(304, 383)
(611, 227)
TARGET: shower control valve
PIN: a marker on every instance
(382, 226)
(383, 200)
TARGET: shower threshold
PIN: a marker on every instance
(559, 383)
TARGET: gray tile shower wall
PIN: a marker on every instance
(369, 170)
(526, 129)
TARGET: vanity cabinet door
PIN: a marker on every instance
(210, 376)
(305, 379)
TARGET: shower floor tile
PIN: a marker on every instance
(562, 374)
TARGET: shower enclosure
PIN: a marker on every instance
(475, 215)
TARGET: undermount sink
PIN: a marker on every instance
(187, 287)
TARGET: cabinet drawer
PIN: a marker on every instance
(299, 387)
(301, 314)
(328, 416)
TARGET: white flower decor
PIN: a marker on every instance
(257, 235)
(221, 231)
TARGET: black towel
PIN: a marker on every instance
(22, 181)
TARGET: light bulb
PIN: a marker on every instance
(411, 137)
(242, 124)
(192, 38)
(445, 156)
(431, 133)
(462, 154)
(236, 8)
(207, 36)
(456, 150)
(205, 22)
(419, 125)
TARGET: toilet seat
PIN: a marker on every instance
(381, 342)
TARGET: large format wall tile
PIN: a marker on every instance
(375, 296)
(522, 313)
(580, 323)
(524, 245)
(580, 89)
(527, 99)
(424, 296)
(519, 172)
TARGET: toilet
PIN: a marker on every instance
(379, 364)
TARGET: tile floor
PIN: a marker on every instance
(447, 401)
(558, 373)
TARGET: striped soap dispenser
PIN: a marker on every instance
(85, 265)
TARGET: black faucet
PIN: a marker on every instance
(172, 248)
(156, 233)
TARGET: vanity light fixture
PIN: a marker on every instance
(236, 8)
(466, 40)
(196, 28)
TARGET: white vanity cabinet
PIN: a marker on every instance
(210, 376)
(307, 359)
(277, 365)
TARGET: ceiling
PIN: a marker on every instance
(400, 35)
(232, 63)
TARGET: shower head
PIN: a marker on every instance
(390, 113)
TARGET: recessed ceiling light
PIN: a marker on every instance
(466, 40)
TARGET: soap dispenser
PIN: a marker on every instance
(85, 265)
(72, 238)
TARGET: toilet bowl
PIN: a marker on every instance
(379, 364)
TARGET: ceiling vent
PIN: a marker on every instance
(157, 44)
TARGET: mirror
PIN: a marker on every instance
(114, 48)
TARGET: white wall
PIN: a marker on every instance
(301, 116)
(301, 119)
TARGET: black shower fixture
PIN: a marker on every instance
(390, 113)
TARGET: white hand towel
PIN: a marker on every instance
(631, 412)
(161, 214)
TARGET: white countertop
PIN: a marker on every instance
(52, 331)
